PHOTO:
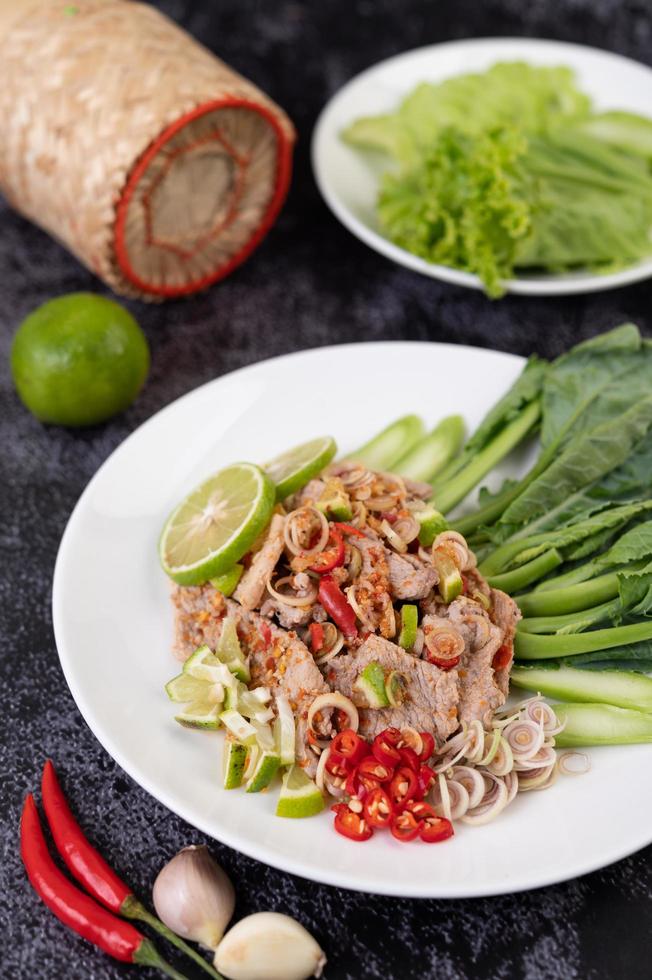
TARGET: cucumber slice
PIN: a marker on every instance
(409, 623)
(299, 796)
(450, 580)
(625, 689)
(601, 724)
(200, 714)
(285, 731)
(238, 726)
(266, 768)
(227, 582)
(229, 651)
(381, 452)
(371, 684)
(234, 760)
(429, 456)
(432, 522)
(292, 470)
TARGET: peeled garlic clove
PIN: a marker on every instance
(193, 896)
(269, 946)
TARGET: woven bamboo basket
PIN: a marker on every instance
(156, 164)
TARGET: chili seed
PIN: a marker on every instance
(355, 805)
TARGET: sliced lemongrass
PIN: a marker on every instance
(292, 530)
(300, 602)
(503, 760)
(394, 539)
(565, 767)
(338, 702)
(472, 782)
(491, 746)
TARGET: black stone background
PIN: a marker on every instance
(311, 283)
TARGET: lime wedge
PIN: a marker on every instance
(229, 651)
(200, 714)
(238, 726)
(234, 760)
(371, 684)
(292, 470)
(299, 795)
(216, 524)
(266, 768)
(205, 666)
(227, 582)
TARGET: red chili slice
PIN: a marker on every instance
(336, 767)
(502, 657)
(419, 808)
(378, 808)
(426, 777)
(428, 746)
(404, 826)
(349, 529)
(316, 637)
(331, 557)
(443, 664)
(409, 758)
(266, 634)
(372, 768)
(348, 749)
(404, 785)
(433, 829)
(352, 825)
(335, 603)
(384, 750)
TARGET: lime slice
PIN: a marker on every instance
(266, 768)
(409, 623)
(230, 653)
(200, 714)
(185, 688)
(284, 730)
(205, 666)
(371, 684)
(234, 760)
(292, 470)
(238, 726)
(299, 795)
(227, 582)
(216, 524)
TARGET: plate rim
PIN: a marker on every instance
(251, 847)
(546, 287)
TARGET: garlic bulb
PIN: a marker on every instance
(194, 897)
(269, 946)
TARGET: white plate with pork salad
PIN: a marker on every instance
(330, 651)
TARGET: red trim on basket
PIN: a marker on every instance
(283, 173)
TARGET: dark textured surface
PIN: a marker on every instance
(310, 284)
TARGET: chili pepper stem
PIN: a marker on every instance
(148, 955)
(131, 908)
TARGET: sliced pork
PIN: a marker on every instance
(251, 588)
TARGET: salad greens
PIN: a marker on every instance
(510, 169)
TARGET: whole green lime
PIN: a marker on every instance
(79, 359)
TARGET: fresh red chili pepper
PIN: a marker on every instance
(378, 809)
(348, 748)
(74, 908)
(350, 529)
(331, 557)
(502, 657)
(384, 748)
(404, 785)
(334, 602)
(354, 786)
(409, 758)
(90, 868)
(352, 825)
(433, 829)
(316, 637)
(428, 746)
(404, 826)
(372, 768)
(441, 663)
(80, 856)
(426, 777)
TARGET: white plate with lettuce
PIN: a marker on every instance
(113, 619)
(503, 164)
